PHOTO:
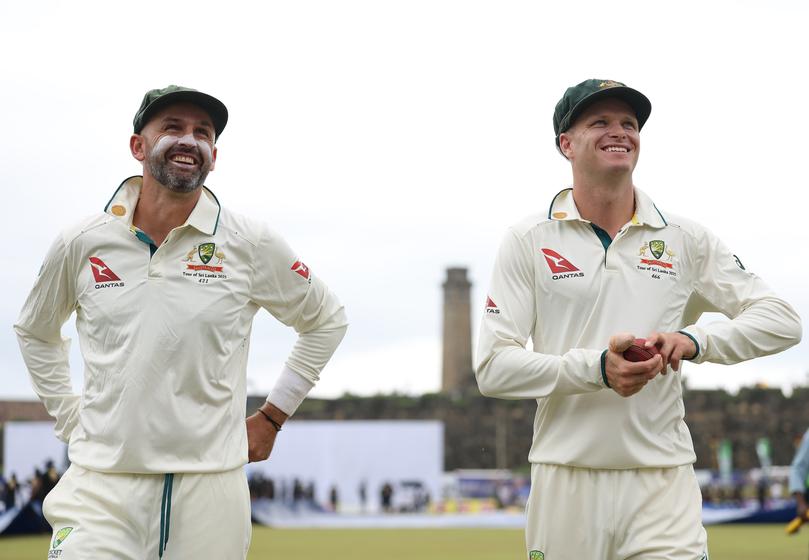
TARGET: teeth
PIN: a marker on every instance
(183, 159)
(615, 149)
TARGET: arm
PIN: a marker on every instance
(505, 368)
(297, 298)
(45, 352)
(761, 323)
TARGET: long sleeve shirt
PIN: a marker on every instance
(165, 335)
(562, 284)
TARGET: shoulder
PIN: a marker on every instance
(250, 230)
(253, 231)
(690, 229)
(76, 232)
(529, 224)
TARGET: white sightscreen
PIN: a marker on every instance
(28, 445)
(348, 453)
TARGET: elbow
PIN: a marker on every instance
(485, 379)
(798, 333)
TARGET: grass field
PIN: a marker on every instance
(727, 542)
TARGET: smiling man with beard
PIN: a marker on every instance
(165, 283)
(611, 460)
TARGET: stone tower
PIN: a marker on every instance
(457, 376)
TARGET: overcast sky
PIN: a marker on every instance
(389, 140)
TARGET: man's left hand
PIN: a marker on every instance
(673, 346)
(261, 433)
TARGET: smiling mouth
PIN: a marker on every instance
(183, 159)
(619, 149)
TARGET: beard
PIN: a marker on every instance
(174, 179)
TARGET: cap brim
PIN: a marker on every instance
(215, 108)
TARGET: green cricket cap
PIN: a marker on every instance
(577, 98)
(156, 99)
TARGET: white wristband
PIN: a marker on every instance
(289, 391)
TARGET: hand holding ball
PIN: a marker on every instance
(640, 353)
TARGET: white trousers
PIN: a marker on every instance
(633, 514)
(129, 516)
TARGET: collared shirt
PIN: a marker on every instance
(165, 333)
(561, 283)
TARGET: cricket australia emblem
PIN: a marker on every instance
(662, 259)
(58, 539)
(211, 267)
(536, 555)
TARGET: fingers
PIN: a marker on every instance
(672, 346)
(627, 378)
(621, 341)
(676, 356)
(629, 385)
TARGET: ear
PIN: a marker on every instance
(137, 146)
(566, 144)
(213, 159)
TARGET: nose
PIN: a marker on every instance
(187, 140)
(616, 130)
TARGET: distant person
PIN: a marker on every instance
(386, 495)
(612, 459)
(37, 486)
(298, 492)
(334, 498)
(363, 492)
(10, 494)
(165, 283)
(798, 476)
(50, 477)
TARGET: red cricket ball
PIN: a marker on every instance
(639, 353)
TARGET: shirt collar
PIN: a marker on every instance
(204, 216)
(563, 208)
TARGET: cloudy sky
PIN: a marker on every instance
(390, 140)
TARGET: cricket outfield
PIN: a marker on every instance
(727, 542)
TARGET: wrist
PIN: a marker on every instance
(273, 415)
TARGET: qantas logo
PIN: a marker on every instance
(104, 276)
(301, 269)
(560, 266)
(491, 307)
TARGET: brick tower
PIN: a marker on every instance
(457, 375)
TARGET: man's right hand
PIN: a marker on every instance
(627, 378)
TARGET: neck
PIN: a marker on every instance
(606, 201)
(160, 210)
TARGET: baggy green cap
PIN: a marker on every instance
(156, 99)
(577, 98)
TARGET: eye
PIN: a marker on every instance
(599, 122)
(631, 125)
(204, 133)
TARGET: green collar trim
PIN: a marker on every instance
(124, 182)
(550, 208)
(218, 211)
(659, 214)
(200, 217)
(144, 237)
(603, 236)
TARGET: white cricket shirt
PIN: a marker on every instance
(561, 283)
(165, 333)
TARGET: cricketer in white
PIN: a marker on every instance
(612, 457)
(165, 284)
